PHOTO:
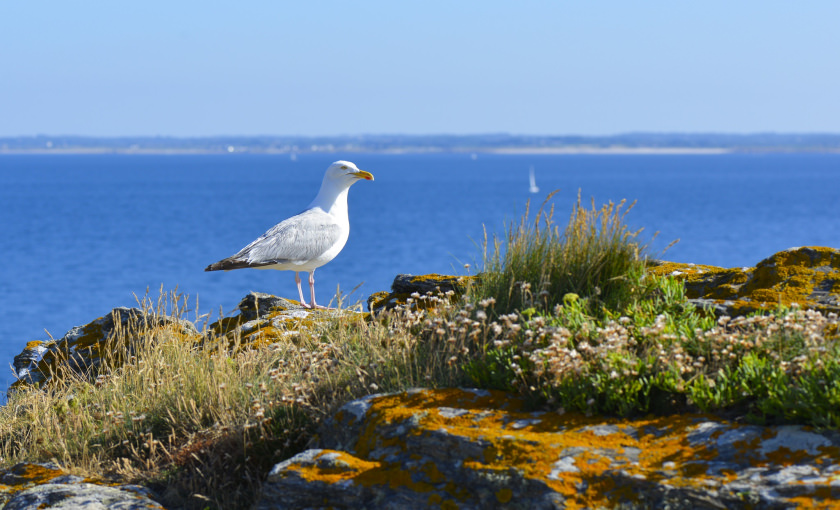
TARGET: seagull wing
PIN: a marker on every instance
(298, 239)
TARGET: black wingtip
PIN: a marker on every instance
(227, 265)
(215, 266)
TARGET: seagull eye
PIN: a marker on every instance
(344, 167)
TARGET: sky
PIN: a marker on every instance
(594, 67)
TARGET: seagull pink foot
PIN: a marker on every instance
(312, 304)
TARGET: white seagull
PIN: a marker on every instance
(308, 240)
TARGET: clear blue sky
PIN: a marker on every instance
(188, 68)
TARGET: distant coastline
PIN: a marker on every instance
(639, 143)
(500, 150)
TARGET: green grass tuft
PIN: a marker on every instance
(536, 264)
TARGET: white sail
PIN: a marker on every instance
(533, 187)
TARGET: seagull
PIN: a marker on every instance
(308, 240)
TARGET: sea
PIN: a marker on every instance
(85, 233)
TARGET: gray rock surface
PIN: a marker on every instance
(473, 449)
(80, 348)
(45, 486)
(82, 496)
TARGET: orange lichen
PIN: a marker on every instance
(798, 276)
(598, 446)
(33, 474)
(346, 468)
(823, 498)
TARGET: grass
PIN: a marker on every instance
(536, 263)
(567, 318)
(201, 422)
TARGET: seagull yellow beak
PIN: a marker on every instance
(361, 174)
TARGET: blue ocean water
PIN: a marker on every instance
(82, 234)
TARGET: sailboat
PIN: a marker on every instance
(533, 187)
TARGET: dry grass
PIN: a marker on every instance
(203, 423)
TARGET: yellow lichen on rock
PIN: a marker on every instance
(265, 319)
(808, 277)
(482, 449)
(420, 291)
(83, 349)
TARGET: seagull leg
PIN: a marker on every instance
(313, 304)
(300, 290)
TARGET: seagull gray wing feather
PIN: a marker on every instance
(298, 239)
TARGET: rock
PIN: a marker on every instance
(83, 347)
(405, 285)
(808, 277)
(265, 319)
(471, 449)
(26, 486)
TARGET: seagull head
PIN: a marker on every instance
(346, 172)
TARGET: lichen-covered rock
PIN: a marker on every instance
(265, 319)
(406, 285)
(808, 277)
(472, 449)
(83, 348)
(27, 486)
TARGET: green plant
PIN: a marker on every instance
(536, 263)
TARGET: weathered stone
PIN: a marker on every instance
(26, 486)
(405, 285)
(808, 277)
(475, 449)
(266, 319)
(83, 348)
(263, 319)
(82, 495)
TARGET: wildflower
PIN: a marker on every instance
(484, 303)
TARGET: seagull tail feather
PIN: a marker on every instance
(227, 265)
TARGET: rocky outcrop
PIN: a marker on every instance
(417, 288)
(28, 486)
(263, 319)
(472, 449)
(83, 349)
(808, 277)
